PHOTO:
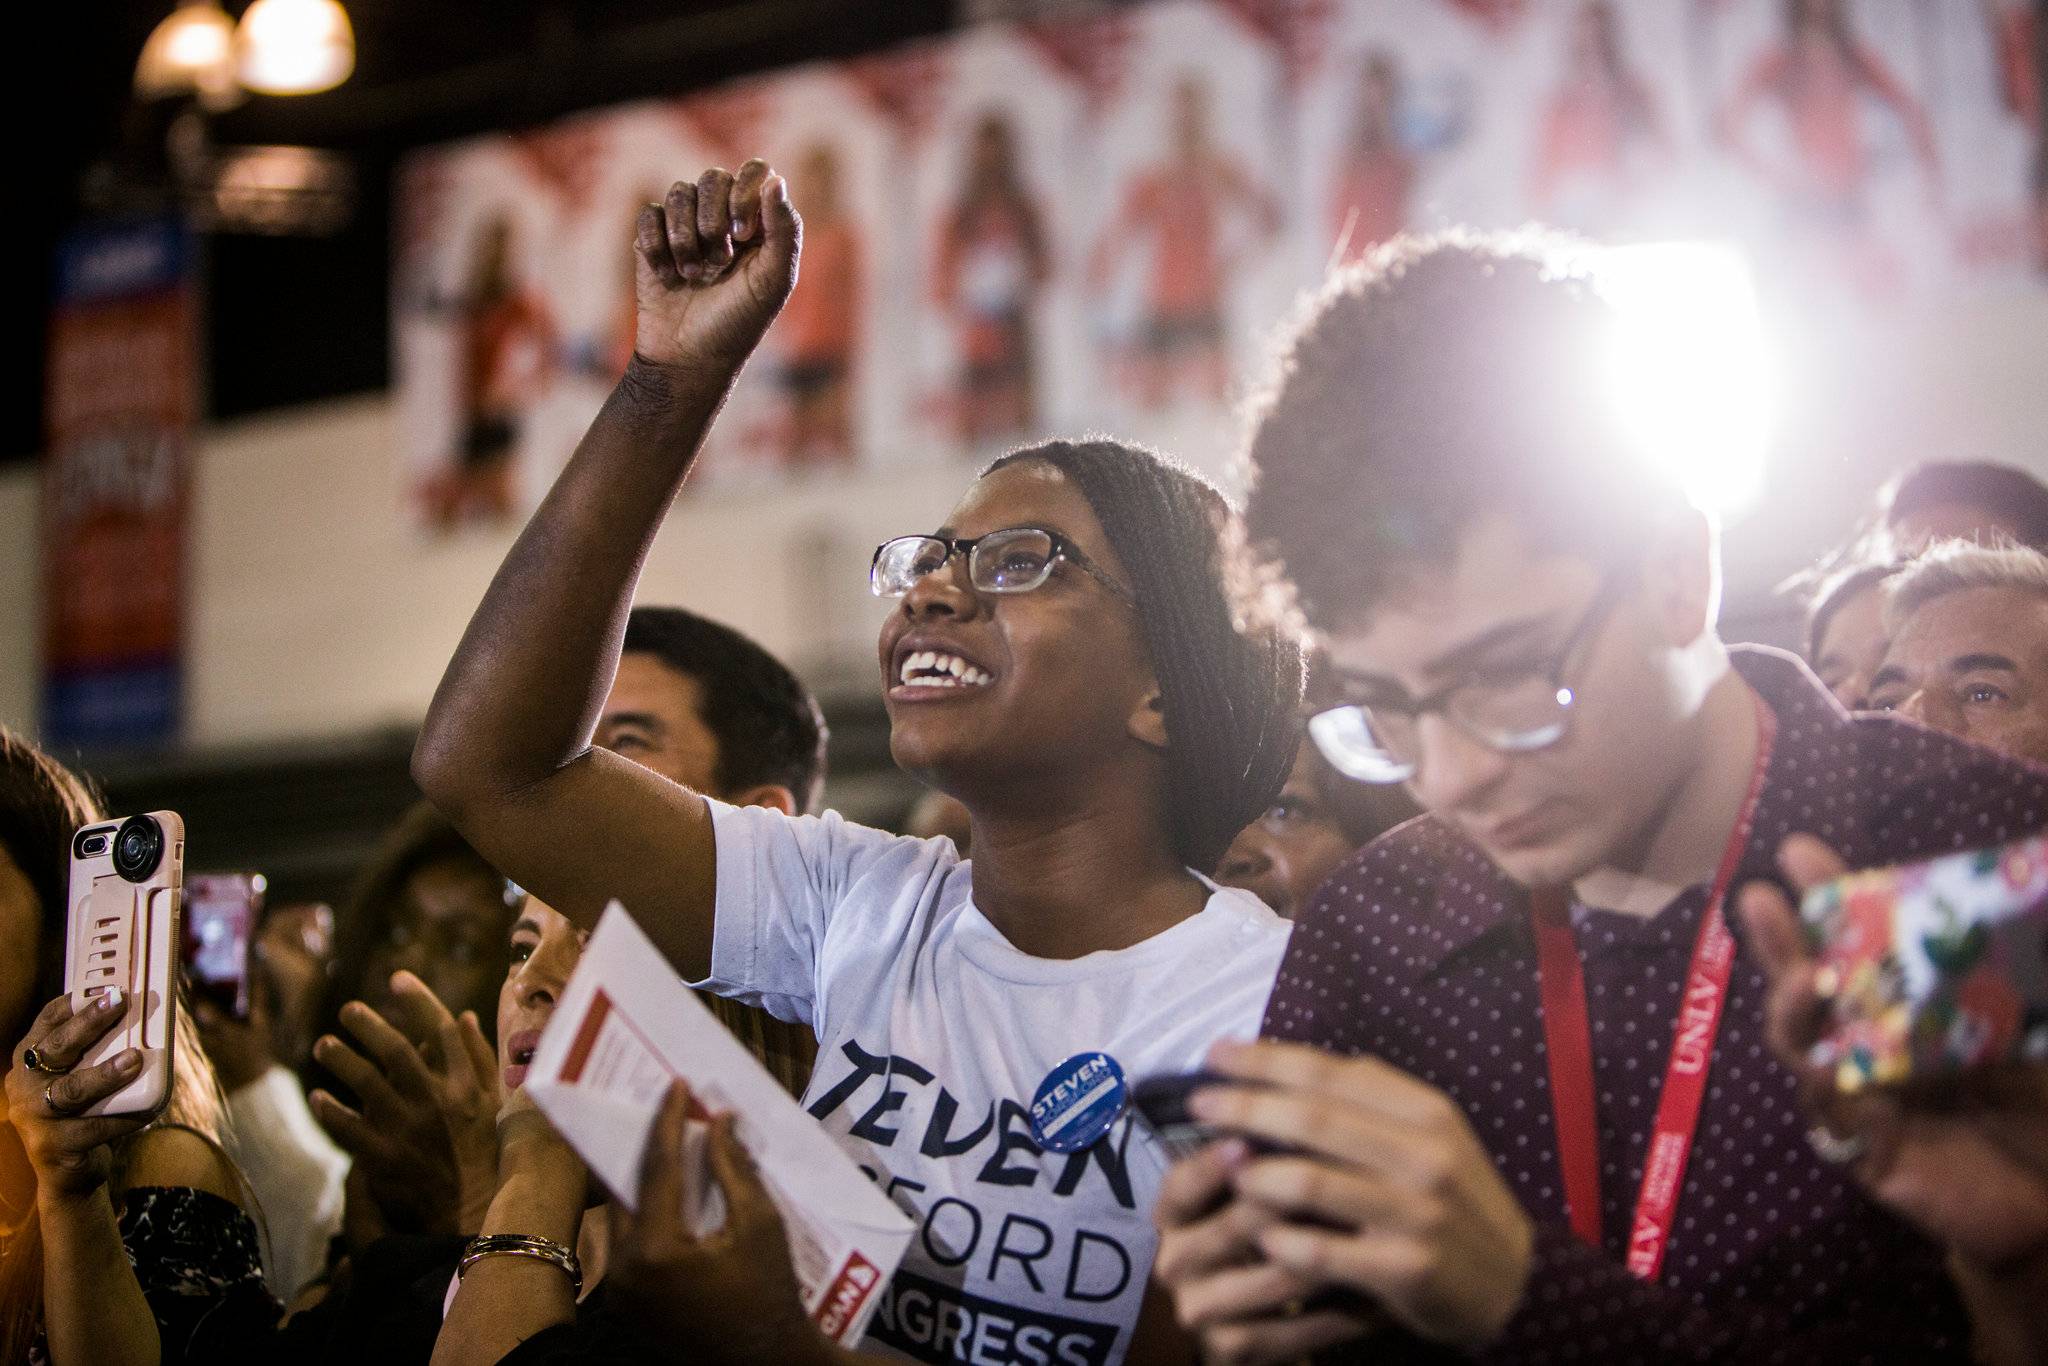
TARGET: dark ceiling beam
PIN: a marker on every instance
(567, 67)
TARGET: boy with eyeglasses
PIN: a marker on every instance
(1523, 1096)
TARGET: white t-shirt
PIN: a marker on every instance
(934, 1035)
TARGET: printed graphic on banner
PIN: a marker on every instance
(119, 411)
(1097, 223)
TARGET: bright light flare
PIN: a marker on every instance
(190, 52)
(295, 47)
(1690, 371)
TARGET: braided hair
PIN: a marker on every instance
(1231, 696)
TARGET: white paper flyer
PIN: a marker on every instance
(626, 1027)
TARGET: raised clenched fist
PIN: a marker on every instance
(714, 262)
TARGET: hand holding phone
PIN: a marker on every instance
(1162, 1101)
(122, 934)
(1933, 968)
(1965, 1160)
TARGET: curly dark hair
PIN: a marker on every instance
(1441, 378)
(1231, 696)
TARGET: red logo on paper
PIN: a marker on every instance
(849, 1291)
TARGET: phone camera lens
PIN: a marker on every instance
(138, 848)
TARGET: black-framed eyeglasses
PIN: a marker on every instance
(1014, 560)
(1515, 712)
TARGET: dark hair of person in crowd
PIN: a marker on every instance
(769, 728)
(365, 931)
(41, 804)
(2012, 502)
(1835, 593)
(1845, 631)
(1226, 759)
(1440, 377)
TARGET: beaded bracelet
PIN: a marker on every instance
(522, 1245)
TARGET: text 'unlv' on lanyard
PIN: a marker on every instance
(1568, 1036)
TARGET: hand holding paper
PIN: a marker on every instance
(729, 1293)
(626, 1031)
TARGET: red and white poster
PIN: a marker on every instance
(120, 405)
(1032, 230)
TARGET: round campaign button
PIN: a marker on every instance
(1077, 1102)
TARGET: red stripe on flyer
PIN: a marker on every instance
(586, 1037)
(850, 1289)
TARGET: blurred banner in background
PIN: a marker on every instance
(120, 410)
(1040, 229)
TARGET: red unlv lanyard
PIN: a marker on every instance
(1569, 1037)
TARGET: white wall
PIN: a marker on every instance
(1866, 394)
(315, 610)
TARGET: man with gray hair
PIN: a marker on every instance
(1969, 646)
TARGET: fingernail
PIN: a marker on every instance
(1206, 1104)
(130, 1060)
(692, 272)
(738, 228)
(1233, 1153)
(113, 1000)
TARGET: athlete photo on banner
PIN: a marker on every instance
(814, 401)
(1197, 200)
(1821, 104)
(1189, 260)
(1606, 141)
(476, 338)
(1381, 120)
(1990, 68)
(990, 227)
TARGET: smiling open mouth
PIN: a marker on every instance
(937, 669)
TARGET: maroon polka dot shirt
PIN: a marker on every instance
(1418, 951)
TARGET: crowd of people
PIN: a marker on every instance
(1418, 805)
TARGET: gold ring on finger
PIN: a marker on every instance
(49, 1100)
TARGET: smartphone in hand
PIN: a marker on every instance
(1162, 1101)
(122, 933)
(222, 911)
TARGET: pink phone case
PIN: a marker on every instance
(126, 934)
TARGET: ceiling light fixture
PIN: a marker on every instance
(294, 47)
(192, 52)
